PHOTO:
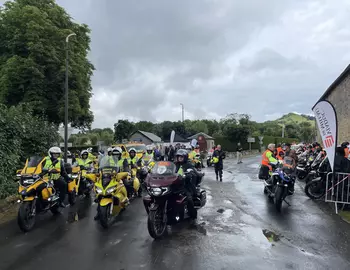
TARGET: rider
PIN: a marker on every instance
(267, 159)
(280, 152)
(182, 165)
(60, 179)
(149, 155)
(133, 160)
(117, 158)
(85, 161)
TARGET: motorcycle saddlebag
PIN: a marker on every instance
(263, 172)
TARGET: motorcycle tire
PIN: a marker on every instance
(105, 216)
(55, 210)
(279, 198)
(153, 231)
(301, 175)
(310, 191)
(72, 197)
(26, 219)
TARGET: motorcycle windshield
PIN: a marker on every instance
(317, 160)
(32, 166)
(164, 168)
(108, 165)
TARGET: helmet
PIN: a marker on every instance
(215, 160)
(109, 149)
(345, 144)
(132, 149)
(149, 148)
(183, 153)
(117, 151)
(89, 149)
(84, 152)
(54, 150)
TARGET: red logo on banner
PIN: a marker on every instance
(329, 141)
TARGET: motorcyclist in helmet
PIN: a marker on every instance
(84, 161)
(149, 155)
(109, 151)
(133, 160)
(182, 165)
(60, 178)
(117, 157)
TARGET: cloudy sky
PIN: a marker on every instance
(264, 58)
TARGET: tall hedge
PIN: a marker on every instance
(21, 135)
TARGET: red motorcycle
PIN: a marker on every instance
(166, 203)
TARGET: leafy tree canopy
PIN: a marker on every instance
(32, 60)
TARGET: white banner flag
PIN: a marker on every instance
(327, 124)
(172, 137)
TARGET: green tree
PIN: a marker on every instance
(32, 60)
(123, 130)
(144, 126)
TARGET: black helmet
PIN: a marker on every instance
(182, 152)
(345, 144)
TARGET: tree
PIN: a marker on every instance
(144, 126)
(123, 130)
(32, 60)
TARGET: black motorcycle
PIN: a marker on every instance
(279, 187)
(314, 168)
(316, 188)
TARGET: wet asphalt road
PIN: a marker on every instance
(308, 235)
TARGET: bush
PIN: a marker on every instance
(21, 136)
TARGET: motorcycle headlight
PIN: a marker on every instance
(156, 191)
(98, 190)
(110, 190)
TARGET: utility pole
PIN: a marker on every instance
(183, 112)
(66, 101)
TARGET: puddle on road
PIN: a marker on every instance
(271, 236)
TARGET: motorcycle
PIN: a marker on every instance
(111, 194)
(197, 162)
(132, 183)
(304, 167)
(279, 188)
(314, 167)
(37, 194)
(166, 202)
(315, 189)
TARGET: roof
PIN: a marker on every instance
(334, 85)
(149, 135)
(195, 136)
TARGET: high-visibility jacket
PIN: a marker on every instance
(279, 150)
(180, 171)
(84, 162)
(147, 157)
(49, 166)
(192, 154)
(267, 158)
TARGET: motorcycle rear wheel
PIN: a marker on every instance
(156, 226)
(313, 191)
(26, 218)
(279, 198)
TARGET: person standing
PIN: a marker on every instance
(239, 153)
(218, 157)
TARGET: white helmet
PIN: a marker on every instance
(89, 150)
(54, 150)
(117, 150)
(84, 152)
(110, 149)
(149, 148)
(132, 149)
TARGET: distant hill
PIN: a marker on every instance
(294, 118)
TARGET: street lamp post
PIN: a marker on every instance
(183, 111)
(66, 102)
(115, 131)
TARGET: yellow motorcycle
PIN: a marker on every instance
(37, 194)
(111, 194)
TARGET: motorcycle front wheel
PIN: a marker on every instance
(157, 226)
(279, 198)
(26, 216)
(106, 218)
(314, 190)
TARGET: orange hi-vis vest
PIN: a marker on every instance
(279, 149)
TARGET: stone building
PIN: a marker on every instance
(145, 137)
(339, 95)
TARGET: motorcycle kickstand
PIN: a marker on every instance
(287, 202)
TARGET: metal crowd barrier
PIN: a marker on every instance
(338, 189)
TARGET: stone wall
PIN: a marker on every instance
(340, 98)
